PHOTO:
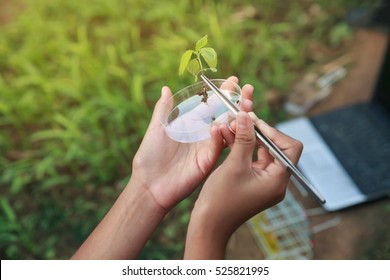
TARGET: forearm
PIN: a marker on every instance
(125, 229)
(205, 240)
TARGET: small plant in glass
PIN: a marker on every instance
(194, 60)
(192, 110)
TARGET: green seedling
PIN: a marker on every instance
(194, 60)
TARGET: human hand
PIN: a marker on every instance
(240, 188)
(164, 172)
(170, 170)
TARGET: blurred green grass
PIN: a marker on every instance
(78, 82)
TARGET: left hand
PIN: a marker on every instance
(171, 170)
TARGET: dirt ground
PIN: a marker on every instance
(363, 230)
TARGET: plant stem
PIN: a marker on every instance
(200, 63)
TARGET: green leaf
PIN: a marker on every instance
(8, 238)
(210, 56)
(184, 61)
(339, 33)
(193, 67)
(137, 89)
(50, 134)
(201, 43)
(19, 182)
(8, 211)
(4, 108)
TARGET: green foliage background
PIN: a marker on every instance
(78, 82)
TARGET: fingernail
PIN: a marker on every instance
(164, 90)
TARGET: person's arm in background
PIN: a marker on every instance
(164, 172)
(239, 188)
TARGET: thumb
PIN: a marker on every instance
(163, 105)
(245, 141)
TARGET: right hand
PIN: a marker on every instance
(241, 187)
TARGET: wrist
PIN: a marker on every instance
(125, 229)
(207, 237)
(138, 193)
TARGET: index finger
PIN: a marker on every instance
(290, 146)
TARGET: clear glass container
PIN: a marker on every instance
(189, 113)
